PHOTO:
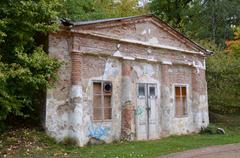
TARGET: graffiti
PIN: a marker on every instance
(98, 131)
(139, 111)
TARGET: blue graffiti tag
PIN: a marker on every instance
(139, 111)
(98, 132)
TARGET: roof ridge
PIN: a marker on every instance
(108, 19)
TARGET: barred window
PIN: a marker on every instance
(102, 93)
(180, 101)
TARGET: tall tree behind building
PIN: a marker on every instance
(200, 19)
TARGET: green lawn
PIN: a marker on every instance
(34, 143)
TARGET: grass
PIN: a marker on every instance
(34, 143)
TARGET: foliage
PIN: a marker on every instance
(200, 19)
(233, 46)
(223, 76)
(26, 69)
(171, 11)
(210, 129)
(216, 18)
(99, 9)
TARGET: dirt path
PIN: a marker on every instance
(219, 151)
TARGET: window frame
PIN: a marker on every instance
(102, 107)
(174, 98)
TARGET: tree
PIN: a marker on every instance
(233, 46)
(173, 12)
(223, 76)
(213, 20)
(25, 68)
(100, 9)
(200, 19)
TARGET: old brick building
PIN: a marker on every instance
(132, 78)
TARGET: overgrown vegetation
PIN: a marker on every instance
(25, 68)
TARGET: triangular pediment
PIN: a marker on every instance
(144, 29)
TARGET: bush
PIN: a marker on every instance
(212, 129)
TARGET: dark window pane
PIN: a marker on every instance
(107, 87)
(152, 91)
(141, 90)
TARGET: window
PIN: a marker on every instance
(152, 91)
(180, 101)
(102, 93)
(141, 90)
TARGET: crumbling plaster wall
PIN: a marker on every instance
(102, 59)
(97, 68)
(181, 75)
(90, 44)
(58, 103)
(147, 32)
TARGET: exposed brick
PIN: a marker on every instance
(126, 69)
(76, 68)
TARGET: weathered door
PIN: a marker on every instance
(146, 111)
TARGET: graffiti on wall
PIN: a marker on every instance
(98, 132)
(139, 111)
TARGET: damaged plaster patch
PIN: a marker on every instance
(145, 69)
(111, 69)
(117, 54)
(149, 31)
(153, 40)
(152, 58)
(167, 62)
(128, 58)
(199, 65)
(76, 91)
(143, 32)
(63, 108)
(148, 69)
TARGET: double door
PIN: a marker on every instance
(146, 111)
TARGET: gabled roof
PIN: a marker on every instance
(109, 20)
(130, 19)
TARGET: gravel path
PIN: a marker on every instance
(219, 151)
